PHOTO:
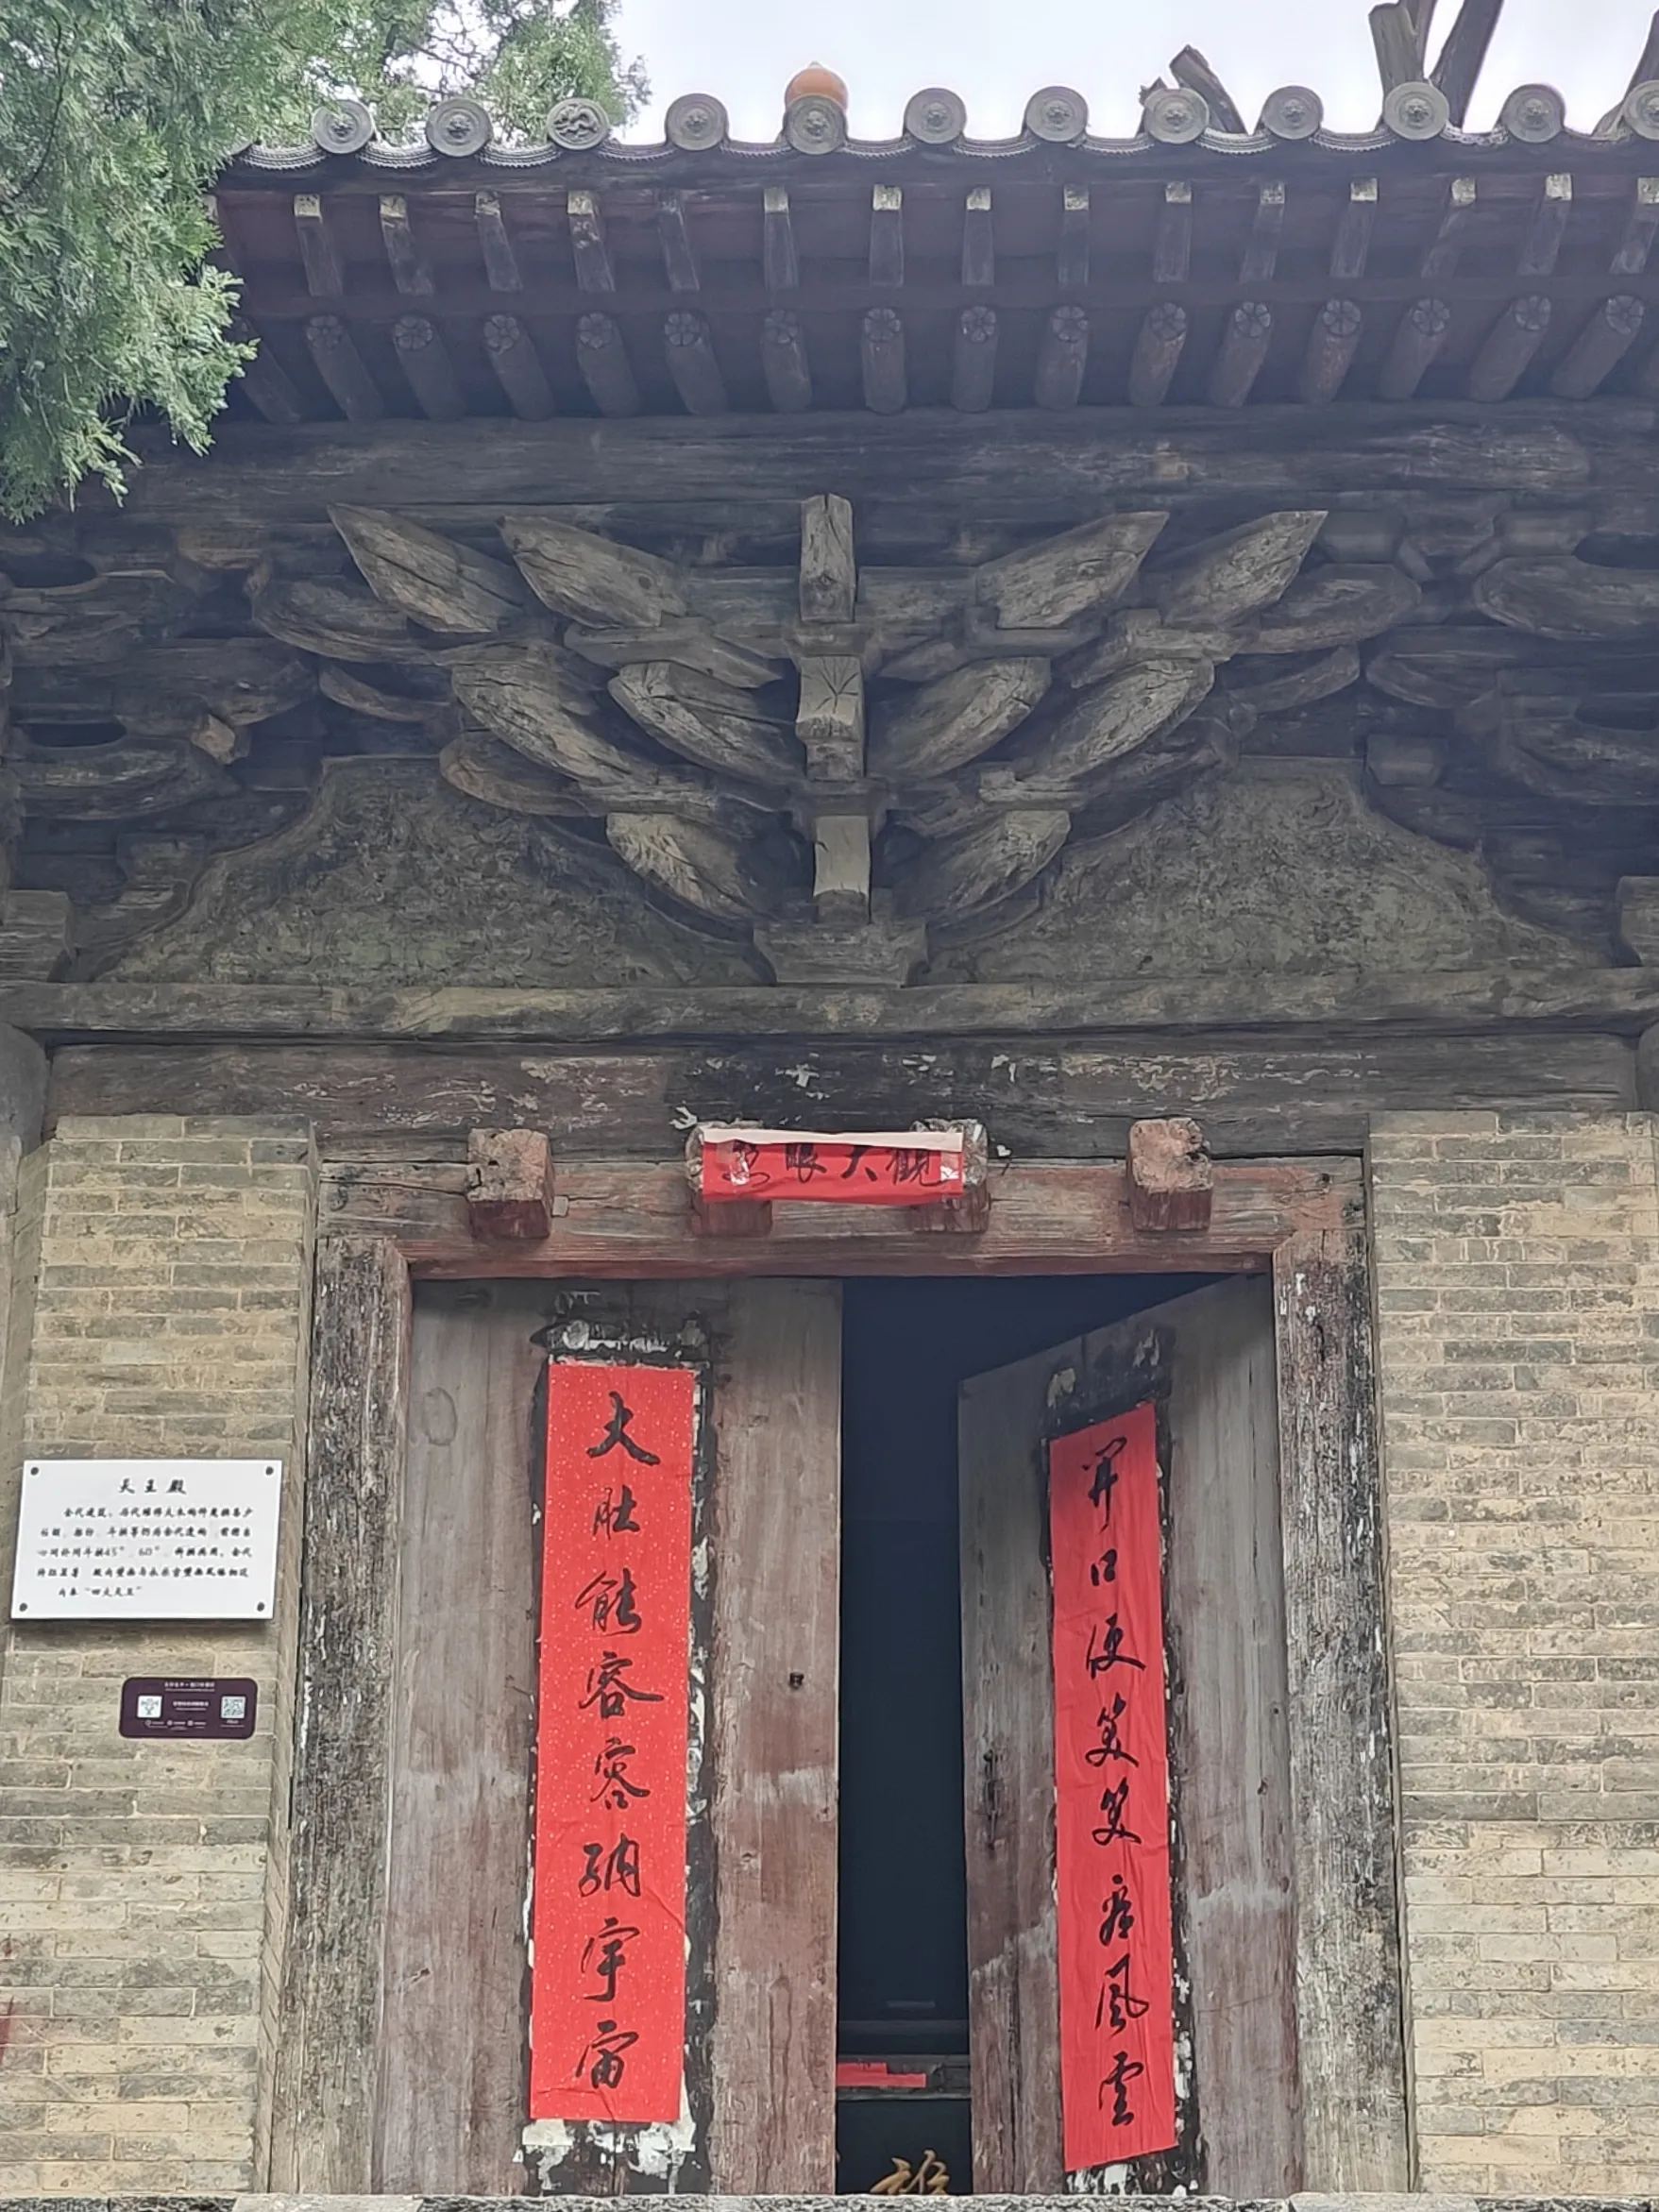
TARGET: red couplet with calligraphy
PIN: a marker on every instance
(914, 1168)
(608, 1972)
(1111, 1793)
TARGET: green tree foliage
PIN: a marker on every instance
(114, 117)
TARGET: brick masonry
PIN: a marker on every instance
(1517, 1283)
(166, 1265)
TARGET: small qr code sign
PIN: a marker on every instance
(214, 1709)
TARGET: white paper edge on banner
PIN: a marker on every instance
(883, 1141)
(31, 1603)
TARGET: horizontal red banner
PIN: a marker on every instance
(1111, 1795)
(608, 1979)
(840, 1171)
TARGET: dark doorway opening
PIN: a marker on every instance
(907, 1346)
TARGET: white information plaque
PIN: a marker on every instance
(147, 1540)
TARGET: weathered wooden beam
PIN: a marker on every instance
(974, 360)
(829, 560)
(495, 244)
(1635, 245)
(435, 580)
(509, 1185)
(1190, 69)
(1063, 1100)
(783, 361)
(1072, 262)
(1354, 2126)
(1418, 343)
(1441, 259)
(1331, 346)
(1548, 229)
(1062, 357)
(886, 234)
(511, 352)
(589, 248)
(329, 2007)
(1509, 347)
(1159, 348)
(1027, 470)
(692, 364)
(782, 264)
(1242, 355)
(341, 367)
(606, 368)
(1467, 1002)
(1399, 51)
(1464, 56)
(1261, 256)
(886, 385)
(408, 270)
(1647, 67)
(1353, 247)
(679, 254)
(841, 867)
(978, 238)
(425, 361)
(1172, 249)
(269, 387)
(735, 1218)
(1171, 1177)
(1600, 347)
(324, 278)
(829, 720)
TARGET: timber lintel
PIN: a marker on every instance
(1440, 1003)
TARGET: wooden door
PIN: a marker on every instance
(452, 2068)
(1207, 1363)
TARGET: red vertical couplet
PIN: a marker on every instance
(1111, 1793)
(608, 1975)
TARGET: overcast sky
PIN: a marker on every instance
(996, 53)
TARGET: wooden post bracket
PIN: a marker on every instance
(1171, 1177)
(510, 1185)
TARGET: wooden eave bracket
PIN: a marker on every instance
(510, 1185)
(1171, 1177)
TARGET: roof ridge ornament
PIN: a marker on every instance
(935, 117)
(459, 127)
(697, 122)
(342, 126)
(1534, 114)
(578, 126)
(1058, 115)
(1294, 111)
(1177, 118)
(1417, 112)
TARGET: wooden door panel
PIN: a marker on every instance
(777, 1665)
(1208, 1362)
(761, 1923)
(451, 2100)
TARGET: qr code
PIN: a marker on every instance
(233, 1708)
(149, 1709)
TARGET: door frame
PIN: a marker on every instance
(1303, 1222)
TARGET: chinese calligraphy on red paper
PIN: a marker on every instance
(1111, 1795)
(910, 1170)
(608, 1978)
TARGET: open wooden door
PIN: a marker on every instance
(1205, 1365)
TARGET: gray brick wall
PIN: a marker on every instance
(166, 1265)
(1517, 1283)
